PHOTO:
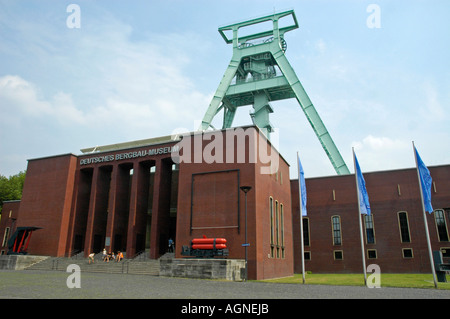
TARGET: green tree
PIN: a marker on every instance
(11, 188)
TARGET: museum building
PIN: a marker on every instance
(133, 197)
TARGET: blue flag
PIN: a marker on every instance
(364, 205)
(302, 185)
(425, 182)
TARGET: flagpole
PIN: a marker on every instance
(430, 252)
(360, 223)
(301, 220)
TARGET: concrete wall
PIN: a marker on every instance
(229, 269)
(19, 262)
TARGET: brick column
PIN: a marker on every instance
(88, 242)
(138, 208)
(112, 207)
(118, 208)
(98, 206)
(161, 208)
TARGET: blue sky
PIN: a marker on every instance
(141, 69)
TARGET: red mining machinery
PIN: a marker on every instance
(206, 248)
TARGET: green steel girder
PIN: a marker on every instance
(271, 17)
(254, 66)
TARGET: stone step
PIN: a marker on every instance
(148, 267)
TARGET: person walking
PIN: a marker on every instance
(91, 257)
(170, 245)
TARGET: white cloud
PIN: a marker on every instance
(379, 143)
(141, 84)
(21, 98)
(17, 94)
(101, 87)
(382, 153)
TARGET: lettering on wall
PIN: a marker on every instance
(129, 155)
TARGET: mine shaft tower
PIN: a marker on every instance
(259, 73)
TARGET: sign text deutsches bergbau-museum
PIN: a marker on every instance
(129, 155)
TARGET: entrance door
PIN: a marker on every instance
(98, 243)
(78, 243)
(118, 243)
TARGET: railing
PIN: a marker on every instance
(140, 255)
(76, 254)
(250, 43)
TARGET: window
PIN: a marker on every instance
(441, 225)
(445, 252)
(370, 234)
(307, 255)
(404, 227)
(306, 231)
(372, 254)
(336, 223)
(277, 229)
(338, 254)
(5, 237)
(276, 223)
(407, 253)
(282, 229)
(271, 227)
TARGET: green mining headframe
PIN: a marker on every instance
(258, 73)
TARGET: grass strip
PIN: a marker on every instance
(386, 280)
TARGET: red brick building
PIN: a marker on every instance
(394, 234)
(134, 196)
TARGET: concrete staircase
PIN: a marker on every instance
(141, 266)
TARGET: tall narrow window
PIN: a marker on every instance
(306, 231)
(5, 237)
(336, 223)
(404, 227)
(282, 229)
(277, 229)
(441, 225)
(271, 227)
(370, 234)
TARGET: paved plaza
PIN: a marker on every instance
(53, 285)
(118, 294)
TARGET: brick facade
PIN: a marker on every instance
(390, 193)
(134, 198)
